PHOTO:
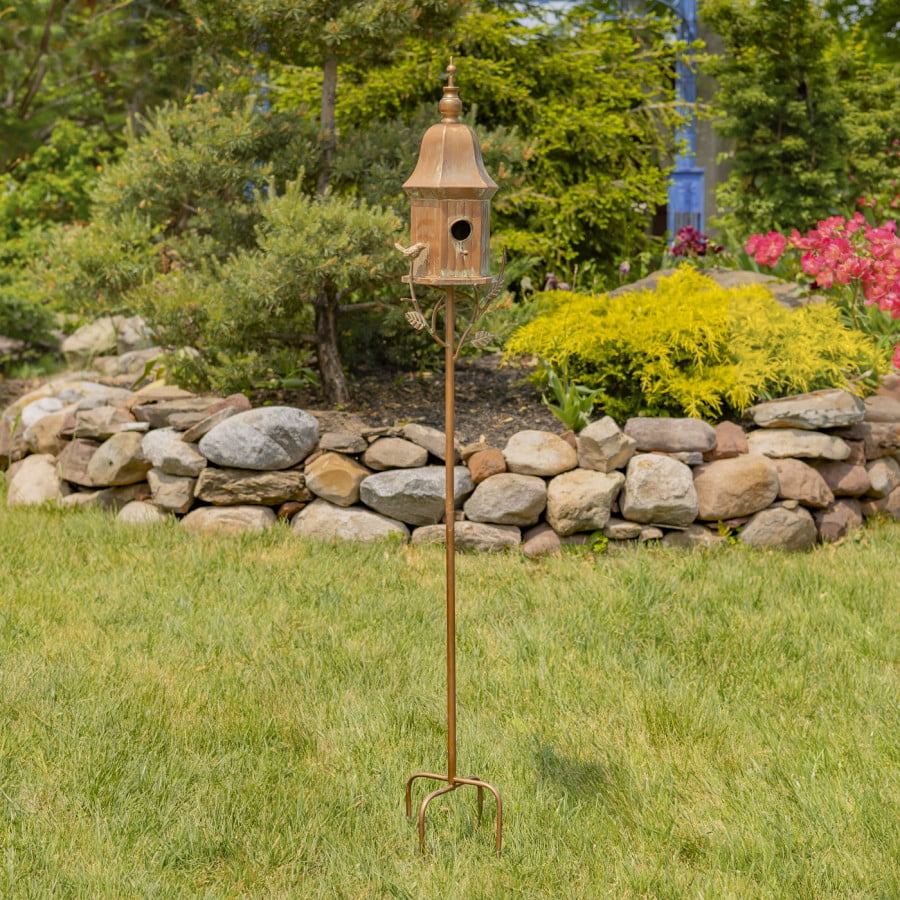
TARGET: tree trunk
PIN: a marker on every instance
(333, 382)
(327, 127)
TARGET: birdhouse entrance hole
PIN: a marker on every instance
(461, 229)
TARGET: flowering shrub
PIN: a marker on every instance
(859, 261)
(690, 242)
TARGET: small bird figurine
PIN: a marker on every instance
(411, 252)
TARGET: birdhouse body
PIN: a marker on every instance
(450, 194)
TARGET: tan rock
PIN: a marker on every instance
(730, 488)
(174, 493)
(838, 520)
(35, 480)
(670, 435)
(394, 453)
(139, 512)
(581, 500)
(431, 439)
(118, 460)
(658, 490)
(471, 536)
(783, 443)
(507, 499)
(786, 529)
(832, 408)
(74, 461)
(538, 453)
(336, 478)
(604, 447)
(229, 519)
(731, 441)
(234, 487)
(884, 476)
(44, 436)
(324, 521)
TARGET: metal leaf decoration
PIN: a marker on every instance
(481, 339)
(416, 319)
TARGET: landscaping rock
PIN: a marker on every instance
(782, 443)
(414, 496)
(102, 422)
(880, 408)
(139, 512)
(889, 506)
(731, 441)
(231, 487)
(394, 453)
(693, 536)
(173, 493)
(817, 410)
(539, 453)
(228, 519)
(670, 435)
(658, 490)
(74, 461)
(35, 480)
(231, 405)
(336, 478)
(884, 476)
(167, 452)
(485, 463)
(90, 340)
(838, 520)
(111, 499)
(620, 530)
(508, 499)
(581, 500)
(730, 488)
(541, 540)
(44, 436)
(34, 412)
(798, 480)
(324, 521)
(878, 438)
(844, 480)
(431, 439)
(604, 447)
(471, 536)
(118, 460)
(187, 410)
(272, 437)
(343, 442)
(780, 528)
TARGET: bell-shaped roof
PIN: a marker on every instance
(450, 164)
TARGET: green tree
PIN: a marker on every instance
(782, 110)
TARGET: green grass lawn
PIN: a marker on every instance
(186, 717)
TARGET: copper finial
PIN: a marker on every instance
(450, 105)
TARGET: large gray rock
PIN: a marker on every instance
(581, 500)
(232, 487)
(732, 488)
(394, 453)
(229, 519)
(783, 443)
(325, 521)
(539, 453)
(272, 437)
(507, 499)
(799, 481)
(670, 435)
(336, 478)
(414, 496)
(35, 480)
(604, 447)
(778, 527)
(659, 490)
(818, 410)
(118, 460)
(174, 493)
(431, 439)
(471, 536)
(169, 453)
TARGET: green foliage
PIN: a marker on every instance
(782, 110)
(693, 348)
(574, 403)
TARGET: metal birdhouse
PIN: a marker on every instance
(450, 194)
(450, 198)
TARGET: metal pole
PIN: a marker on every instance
(450, 520)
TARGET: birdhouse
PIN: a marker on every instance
(450, 198)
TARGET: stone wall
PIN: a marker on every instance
(809, 468)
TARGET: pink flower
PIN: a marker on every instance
(766, 249)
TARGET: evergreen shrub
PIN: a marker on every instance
(693, 348)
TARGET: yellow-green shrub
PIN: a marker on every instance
(691, 347)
